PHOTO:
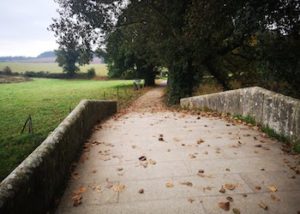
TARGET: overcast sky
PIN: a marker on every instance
(23, 27)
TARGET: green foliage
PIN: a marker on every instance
(67, 59)
(7, 70)
(273, 134)
(48, 101)
(91, 73)
(248, 119)
(296, 147)
(248, 41)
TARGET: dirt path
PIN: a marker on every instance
(151, 160)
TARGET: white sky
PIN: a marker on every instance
(23, 27)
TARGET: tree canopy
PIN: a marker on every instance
(227, 39)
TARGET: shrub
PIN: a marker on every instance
(91, 73)
(7, 70)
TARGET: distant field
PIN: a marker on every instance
(20, 67)
(48, 101)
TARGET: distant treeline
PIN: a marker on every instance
(42, 74)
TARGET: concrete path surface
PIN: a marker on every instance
(149, 159)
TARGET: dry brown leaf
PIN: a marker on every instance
(236, 211)
(200, 141)
(161, 137)
(229, 198)
(152, 162)
(272, 188)
(118, 187)
(187, 183)
(230, 186)
(142, 158)
(222, 190)
(207, 188)
(192, 156)
(169, 184)
(191, 200)
(96, 188)
(258, 187)
(77, 200)
(274, 197)
(224, 205)
(263, 206)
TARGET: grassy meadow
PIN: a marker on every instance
(21, 67)
(48, 101)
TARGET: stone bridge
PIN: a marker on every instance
(151, 159)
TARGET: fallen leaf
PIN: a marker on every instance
(230, 186)
(144, 164)
(76, 200)
(200, 141)
(263, 206)
(161, 137)
(96, 188)
(222, 190)
(207, 188)
(118, 187)
(169, 184)
(258, 188)
(142, 158)
(192, 156)
(236, 211)
(191, 200)
(274, 197)
(224, 205)
(152, 162)
(272, 188)
(200, 172)
(190, 184)
(229, 198)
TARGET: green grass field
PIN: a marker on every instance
(21, 67)
(48, 101)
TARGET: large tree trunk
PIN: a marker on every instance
(181, 79)
(149, 75)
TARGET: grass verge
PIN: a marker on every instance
(48, 101)
(293, 145)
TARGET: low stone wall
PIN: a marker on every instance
(33, 185)
(277, 111)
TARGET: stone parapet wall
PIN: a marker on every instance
(34, 184)
(279, 112)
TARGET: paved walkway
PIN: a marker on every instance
(152, 160)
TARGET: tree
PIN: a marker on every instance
(189, 37)
(7, 70)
